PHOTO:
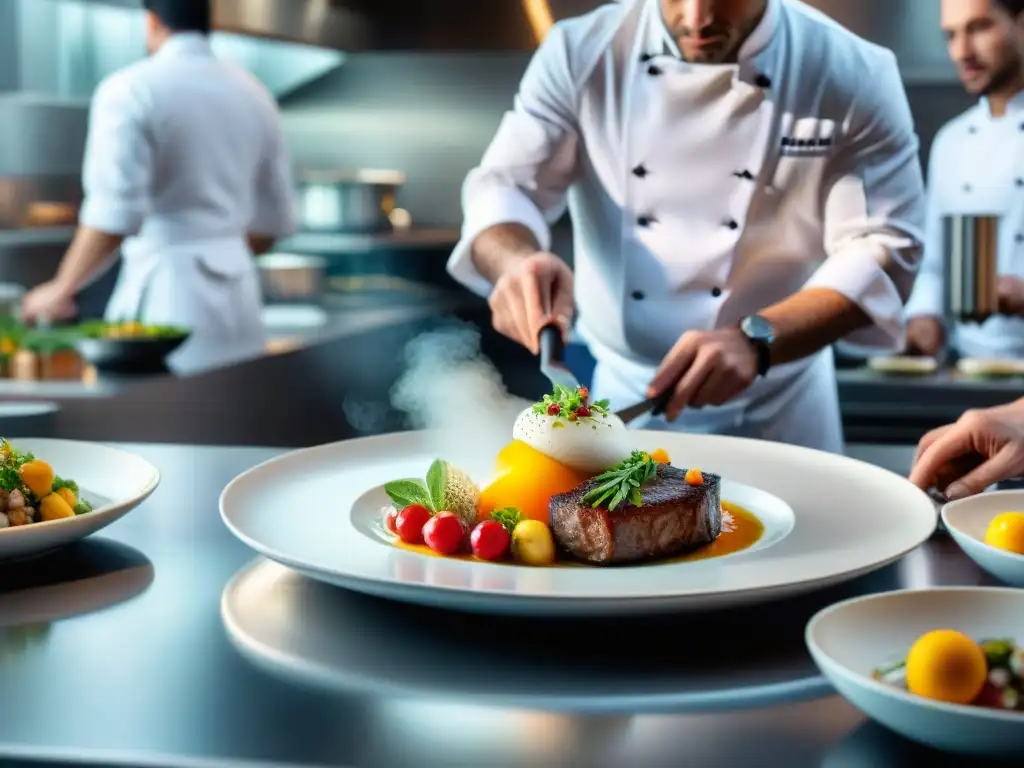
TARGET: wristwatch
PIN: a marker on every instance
(761, 334)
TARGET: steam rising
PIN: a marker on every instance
(451, 389)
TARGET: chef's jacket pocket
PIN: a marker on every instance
(222, 267)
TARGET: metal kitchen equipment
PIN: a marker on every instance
(292, 278)
(348, 201)
(11, 295)
(972, 250)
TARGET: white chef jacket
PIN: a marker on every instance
(185, 156)
(691, 211)
(976, 167)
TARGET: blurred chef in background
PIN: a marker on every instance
(977, 167)
(186, 171)
(745, 190)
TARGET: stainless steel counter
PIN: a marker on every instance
(114, 652)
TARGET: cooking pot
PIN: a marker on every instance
(348, 201)
(290, 277)
(972, 256)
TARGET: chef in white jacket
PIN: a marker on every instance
(977, 167)
(187, 171)
(745, 190)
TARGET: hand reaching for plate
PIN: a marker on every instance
(983, 447)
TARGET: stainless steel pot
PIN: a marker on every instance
(11, 295)
(348, 201)
(972, 251)
(292, 278)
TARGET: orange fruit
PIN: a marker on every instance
(946, 665)
(660, 456)
(526, 479)
(1006, 531)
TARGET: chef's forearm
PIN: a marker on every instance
(498, 248)
(88, 252)
(810, 320)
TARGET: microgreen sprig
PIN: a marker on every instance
(570, 404)
(622, 482)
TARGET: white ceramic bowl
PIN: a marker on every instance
(968, 519)
(850, 639)
(114, 481)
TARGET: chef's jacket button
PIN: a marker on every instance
(744, 175)
(653, 70)
(967, 187)
(1020, 182)
(1019, 238)
(763, 81)
(638, 295)
(732, 224)
(645, 57)
(716, 291)
(972, 129)
(644, 221)
(1022, 126)
(640, 171)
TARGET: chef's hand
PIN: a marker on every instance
(705, 368)
(535, 292)
(1011, 295)
(926, 335)
(982, 448)
(49, 301)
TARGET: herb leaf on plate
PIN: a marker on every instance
(408, 493)
(437, 477)
(508, 517)
(622, 482)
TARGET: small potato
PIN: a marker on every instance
(532, 543)
(38, 476)
(68, 495)
(53, 507)
(17, 517)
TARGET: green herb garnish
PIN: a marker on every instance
(570, 404)
(622, 482)
(447, 489)
(509, 518)
(998, 652)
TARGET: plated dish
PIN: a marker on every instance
(105, 482)
(826, 519)
(992, 367)
(989, 528)
(946, 687)
(30, 491)
(904, 365)
(569, 489)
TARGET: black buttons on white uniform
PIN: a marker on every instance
(763, 81)
(637, 295)
(653, 70)
(967, 187)
(716, 291)
(645, 221)
(732, 224)
(744, 174)
(640, 171)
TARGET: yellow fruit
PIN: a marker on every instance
(947, 666)
(68, 495)
(532, 543)
(38, 476)
(1006, 531)
(53, 507)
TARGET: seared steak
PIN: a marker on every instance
(673, 518)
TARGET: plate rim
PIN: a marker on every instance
(596, 602)
(864, 681)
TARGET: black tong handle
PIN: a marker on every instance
(552, 347)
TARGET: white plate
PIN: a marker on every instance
(990, 366)
(850, 639)
(112, 480)
(851, 518)
(313, 634)
(906, 365)
(967, 521)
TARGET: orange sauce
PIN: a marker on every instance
(740, 530)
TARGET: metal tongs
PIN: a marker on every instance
(552, 365)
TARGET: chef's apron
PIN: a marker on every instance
(691, 127)
(211, 287)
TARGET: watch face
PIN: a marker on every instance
(758, 329)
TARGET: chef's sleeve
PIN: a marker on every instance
(530, 163)
(927, 298)
(117, 170)
(274, 214)
(874, 209)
